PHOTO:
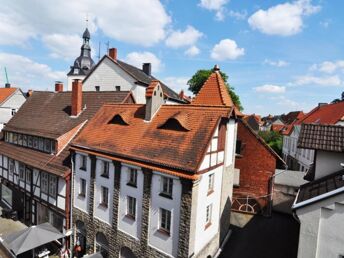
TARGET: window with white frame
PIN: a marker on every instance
(131, 207)
(104, 199)
(52, 185)
(132, 180)
(11, 167)
(211, 183)
(28, 175)
(166, 186)
(165, 220)
(105, 169)
(44, 182)
(82, 190)
(21, 171)
(83, 162)
(208, 214)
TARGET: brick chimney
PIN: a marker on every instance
(181, 94)
(154, 99)
(29, 93)
(76, 97)
(113, 53)
(58, 86)
(147, 68)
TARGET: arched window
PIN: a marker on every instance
(127, 253)
(102, 244)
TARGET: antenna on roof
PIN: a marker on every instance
(7, 84)
(108, 46)
(86, 20)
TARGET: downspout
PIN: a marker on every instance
(71, 202)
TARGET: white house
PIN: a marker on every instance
(319, 204)
(156, 182)
(11, 99)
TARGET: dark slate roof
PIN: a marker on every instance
(47, 114)
(291, 117)
(318, 188)
(139, 75)
(322, 137)
(86, 34)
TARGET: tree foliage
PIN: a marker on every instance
(198, 79)
(273, 139)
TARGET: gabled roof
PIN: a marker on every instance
(168, 147)
(213, 92)
(292, 116)
(5, 93)
(138, 74)
(47, 114)
(322, 137)
(277, 127)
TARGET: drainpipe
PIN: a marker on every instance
(71, 204)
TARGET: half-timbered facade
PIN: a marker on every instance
(156, 182)
(34, 153)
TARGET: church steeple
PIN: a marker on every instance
(83, 63)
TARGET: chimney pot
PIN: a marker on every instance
(76, 97)
(113, 53)
(147, 68)
(58, 86)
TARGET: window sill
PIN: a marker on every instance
(105, 176)
(164, 232)
(81, 195)
(166, 196)
(129, 216)
(207, 225)
(132, 184)
(82, 168)
(210, 192)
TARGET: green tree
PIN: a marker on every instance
(199, 78)
(273, 139)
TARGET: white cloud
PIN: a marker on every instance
(238, 15)
(278, 63)
(63, 46)
(325, 24)
(178, 84)
(226, 49)
(183, 38)
(215, 5)
(322, 81)
(328, 66)
(192, 51)
(138, 58)
(283, 19)
(269, 88)
(30, 74)
(22, 20)
(283, 101)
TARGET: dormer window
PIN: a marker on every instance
(178, 122)
(119, 119)
(97, 88)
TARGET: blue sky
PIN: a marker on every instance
(279, 55)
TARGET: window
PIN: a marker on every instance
(52, 186)
(208, 215)
(165, 221)
(82, 190)
(104, 196)
(211, 183)
(132, 177)
(10, 137)
(11, 167)
(83, 162)
(21, 171)
(20, 139)
(28, 174)
(15, 138)
(238, 147)
(47, 145)
(131, 207)
(222, 136)
(24, 140)
(14, 111)
(105, 169)
(29, 141)
(35, 142)
(97, 88)
(167, 186)
(44, 182)
(41, 144)
(118, 88)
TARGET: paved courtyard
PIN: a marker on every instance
(261, 237)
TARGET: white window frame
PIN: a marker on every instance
(132, 177)
(105, 168)
(83, 162)
(131, 207)
(52, 186)
(211, 180)
(166, 186)
(165, 219)
(104, 200)
(208, 214)
(82, 189)
(44, 182)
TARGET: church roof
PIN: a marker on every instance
(86, 34)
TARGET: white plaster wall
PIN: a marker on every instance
(70, 80)
(162, 242)
(321, 232)
(230, 142)
(139, 93)
(125, 224)
(327, 163)
(61, 201)
(108, 75)
(203, 235)
(14, 102)
(81, 202)
(100, 212)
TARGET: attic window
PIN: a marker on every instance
(118, 120)
(178, 122)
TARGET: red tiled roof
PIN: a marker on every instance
(151, 87)
(213, 92)
(277, 127)
(169, 147)
(5, 93)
